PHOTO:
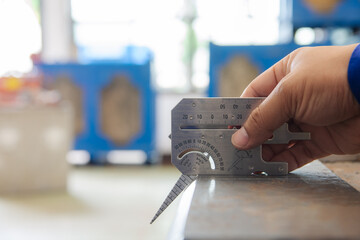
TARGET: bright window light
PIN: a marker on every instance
(20, 36)
(132, 157)
(163, 26)
(304, 36)
(78, 157)
(239, 22)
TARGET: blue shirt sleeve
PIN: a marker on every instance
(354, 73)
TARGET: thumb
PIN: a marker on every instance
(273, 112)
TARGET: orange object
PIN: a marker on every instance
(11, 84)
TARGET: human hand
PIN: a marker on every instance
(309, 89)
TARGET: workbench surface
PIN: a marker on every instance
(310, 203)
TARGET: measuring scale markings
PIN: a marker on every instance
(201, 142)
(194, 153)
(182, 183)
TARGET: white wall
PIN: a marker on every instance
(56, 31)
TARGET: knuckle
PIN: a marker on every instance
(258, 121)
(283, 88)
(257, 118)
(288, 96)
(308, 154)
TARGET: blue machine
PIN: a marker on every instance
(346, 13)
(261, 56)
(92, 79)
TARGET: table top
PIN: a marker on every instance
(310, 203)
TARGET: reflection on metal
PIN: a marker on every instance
(322, 6)
(212, 187)
(71, 93)
(235, 76)
(120, 110)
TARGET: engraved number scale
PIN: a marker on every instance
(201, 142)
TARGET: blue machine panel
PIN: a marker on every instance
(261, 56)
(92, 79)
(342, 13)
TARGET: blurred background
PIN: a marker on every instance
(86, 90)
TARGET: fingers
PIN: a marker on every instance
(270, 114)
(263, 85)
(300, 154)
(274, 111)
(271, 150)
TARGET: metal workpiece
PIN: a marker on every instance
(309, 203)
(201, 130)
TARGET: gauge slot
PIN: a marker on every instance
(197, 151)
